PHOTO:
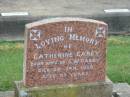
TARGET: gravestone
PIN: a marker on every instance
(66, 56)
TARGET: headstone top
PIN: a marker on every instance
(64, 51)
(59, 19)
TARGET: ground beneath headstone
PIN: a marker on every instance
(119, 90)
(7, 94)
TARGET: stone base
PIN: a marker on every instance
(98, 89)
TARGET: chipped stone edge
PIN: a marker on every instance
(25, 57)
(62, 19)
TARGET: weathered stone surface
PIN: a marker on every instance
(121, 87)
(65, 51)
(121, 90)
(97, 89)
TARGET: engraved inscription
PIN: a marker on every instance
(68, 29)
(100, 32)
(65, 52)
(35, 34)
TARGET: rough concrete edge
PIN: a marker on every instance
(20, 86)
(119, 90)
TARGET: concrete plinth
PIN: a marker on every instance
(98, 89)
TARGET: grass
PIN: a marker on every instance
(118, 60)
(11, 56)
